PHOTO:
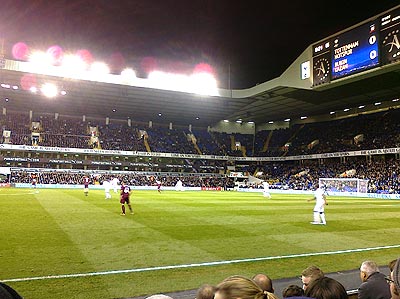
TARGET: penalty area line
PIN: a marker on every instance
(205, 264)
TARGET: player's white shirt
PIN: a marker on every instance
(179, 186)
(107, 186)
(266, 190)
(319, 200)
(114, 183)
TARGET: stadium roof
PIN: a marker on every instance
(95, 99)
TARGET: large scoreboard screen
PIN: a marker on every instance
(372, 44)
(355, 51)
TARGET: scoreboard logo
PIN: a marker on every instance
(321, 69)
(391, 46)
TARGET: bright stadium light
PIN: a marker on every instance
(128, 76)
(204, 84)
(226, 121)
(49, 90)
(99, 68)
(73, 64)
(361, 107)
(287, 119)
(332, 112)
(162, 80)
(395, 100)
(270, 122)
(40, 58)
(303, 117)
(33, 89)
(346, 109)
(377, 103)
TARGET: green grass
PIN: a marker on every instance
(57, 232)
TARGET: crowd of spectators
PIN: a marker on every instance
(131, 178)
(382, 175)
(370, 131)
(315, 284)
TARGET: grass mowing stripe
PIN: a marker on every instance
(206, 264)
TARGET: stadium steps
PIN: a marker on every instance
(146, 144)
(197, 148)
(243, 150)
(267, 141)
(350, 279)
(295, 133)
(233, 143)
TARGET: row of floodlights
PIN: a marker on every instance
(240, 121)
(54, 61)
(362, 106)
(49, 90)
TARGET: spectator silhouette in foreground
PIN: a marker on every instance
(310, 274)
(206, 291)
(7, 292)
(394, 278)
(236, 287)
(264, 282)
(373, 284)
(326, 288)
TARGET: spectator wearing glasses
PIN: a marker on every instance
(394, 279)
(373, 284)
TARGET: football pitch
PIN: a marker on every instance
(62, 244)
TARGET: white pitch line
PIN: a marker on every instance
(206, 264)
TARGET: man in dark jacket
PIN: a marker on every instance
(374, 285)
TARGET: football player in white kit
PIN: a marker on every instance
(266, 189)
(107, 187)
(114, 183)
(319, 208)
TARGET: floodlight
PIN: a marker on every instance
(33, 89)
(128, 76)
(49, 90)
(73, 64)
(40, 58)
(98, 67)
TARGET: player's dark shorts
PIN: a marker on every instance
(125, 200)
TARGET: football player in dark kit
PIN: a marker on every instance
(86, 182)
(125, 198)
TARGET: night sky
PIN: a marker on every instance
(249, 42)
